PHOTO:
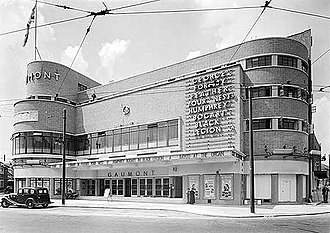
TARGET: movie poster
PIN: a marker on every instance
(209, 187)
(226, 187)
(194, 184)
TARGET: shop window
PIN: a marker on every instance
(259, 124)
(158, 187)
(304, 95)
(285, 123)
(258, 61)
(287, 61)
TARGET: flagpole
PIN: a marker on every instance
(35, 33)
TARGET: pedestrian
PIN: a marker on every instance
(325, 192)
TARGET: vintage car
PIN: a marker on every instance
(29, 197)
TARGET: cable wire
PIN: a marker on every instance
(300, 12)
(65, 7)
(255, 22)
(184, 10)
(46, 24)
(87, 31)
(320, 56)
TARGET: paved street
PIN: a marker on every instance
(71, 219)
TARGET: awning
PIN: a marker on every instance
(321, 174)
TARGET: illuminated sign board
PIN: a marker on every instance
(210, 102)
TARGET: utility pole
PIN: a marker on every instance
(63, 158)
(252, 204)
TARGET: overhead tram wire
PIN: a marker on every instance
(83, 40)
(65, 7)
(107, 11)
(300, 12)
(320, 56)
(184, 10)
(46, 24)
(255, 22)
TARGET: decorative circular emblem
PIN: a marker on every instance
(126, 110)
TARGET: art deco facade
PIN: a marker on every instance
(181, 126)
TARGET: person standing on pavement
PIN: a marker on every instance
(325, 192)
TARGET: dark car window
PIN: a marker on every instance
(20, 191)
(32, 191)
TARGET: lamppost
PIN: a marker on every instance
(63, 158)
(252, 204)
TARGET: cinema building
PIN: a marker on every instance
(180, 127)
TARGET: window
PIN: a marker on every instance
(173, 139)
(288, 91)
(134, 137)
(258, 61)
(81, 87)
(117, 140)
(287, 61)
(109, 141)
(125, 139)
(152, 135)
(258, 124)
(304, 66)
(143, 130)
(162, 134)
(261, 92)
(285, 123)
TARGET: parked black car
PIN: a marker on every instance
(29, 197)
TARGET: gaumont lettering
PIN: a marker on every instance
(131, 173)
(32, 77)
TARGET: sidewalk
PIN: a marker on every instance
(205, 209)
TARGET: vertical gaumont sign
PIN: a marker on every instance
(210, 103)
(35, 76)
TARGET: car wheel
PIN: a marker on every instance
(45, 205)
(4, 204)
(29, 203)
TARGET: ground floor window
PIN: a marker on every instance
(40, 182)
(70, 184)
(117, 187)
(162, 187)
(20, 183)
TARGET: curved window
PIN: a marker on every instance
(42, 142)
(258, 61)
(258, 124)
(288, 91)
(304, 66)
(287, 61)
(286, 123)
(261, 91)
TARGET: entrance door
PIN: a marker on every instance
(286, 190)
(178, 186)
(127, 187)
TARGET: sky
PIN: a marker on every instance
(120, 46)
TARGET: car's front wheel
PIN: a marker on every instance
(30, 203)
(4, 204)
